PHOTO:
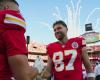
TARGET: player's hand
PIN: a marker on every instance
(33, 72)
(45, 73)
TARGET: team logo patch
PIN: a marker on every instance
(74, 45)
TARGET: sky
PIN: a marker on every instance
(41, 14)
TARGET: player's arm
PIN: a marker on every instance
(14, 41)
(20, 67)
(87, 64)
(46, 73)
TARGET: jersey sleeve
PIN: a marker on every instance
(12, 19)
(48, 50)
(15, 42)
(83, 42)
(2, 15)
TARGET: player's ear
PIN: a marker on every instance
(67, 29)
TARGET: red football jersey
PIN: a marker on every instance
(66, 59)
(12, 40)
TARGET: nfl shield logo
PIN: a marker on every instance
(74, 45)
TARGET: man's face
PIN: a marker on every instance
(60, 31)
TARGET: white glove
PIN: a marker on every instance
(39, 64)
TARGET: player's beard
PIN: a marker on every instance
(59, 35)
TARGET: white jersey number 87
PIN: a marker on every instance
(58, 62)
